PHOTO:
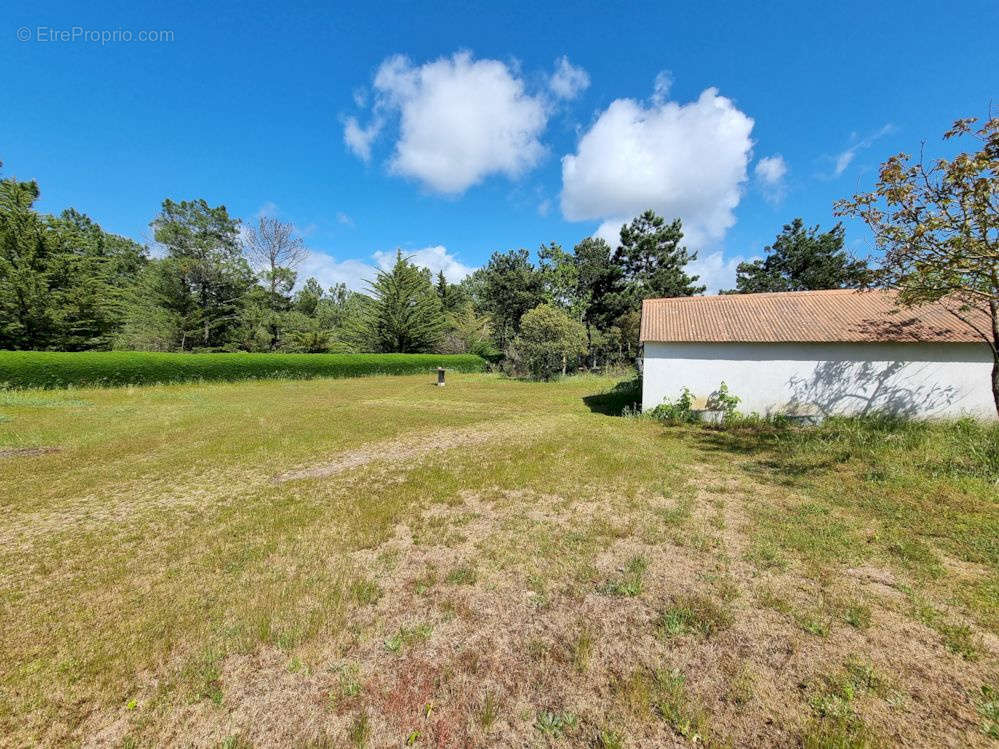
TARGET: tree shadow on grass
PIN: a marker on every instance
(626, 394)
(763, 451)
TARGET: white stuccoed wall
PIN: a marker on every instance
(924, 379)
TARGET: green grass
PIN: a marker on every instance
(693, 614)
(158, 582)
(629, 582)
(878, 490)
(662, 694)
(833, 700)
(44, 369)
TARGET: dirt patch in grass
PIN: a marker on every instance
(545, 577)
(414, 446)
(467, 646)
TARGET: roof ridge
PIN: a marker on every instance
(760, 294)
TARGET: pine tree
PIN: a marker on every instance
(802, 260)
(510, 286)
(405, 314)
(652, 260)
(598, 278)
(63, 279)
(203, 251)
(26, 315)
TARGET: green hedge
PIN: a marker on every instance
(45, 369)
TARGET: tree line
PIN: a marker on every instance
(219, 285)
(66, 284)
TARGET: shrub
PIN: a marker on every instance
(679, 412)
(549, 340)
(723, 400)
(44, 369)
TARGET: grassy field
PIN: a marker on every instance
(381, 562)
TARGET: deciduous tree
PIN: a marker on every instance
(560, 277)
(468, 332)
(938, 227)
(548, 340)
(276, 250)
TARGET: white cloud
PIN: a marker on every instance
(843, 161)
(359, 139)
(460, 121)
(846, 157)
(343, 218)
(610, 231)
(715, 271)
(436, 258)
(771, 169)
(545, 207)
(661, 87)
(356, 273)
(568, 81)
(328, 271)
(267, 210)
(685, 160)
(770, 172)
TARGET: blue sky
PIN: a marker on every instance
(455, 129)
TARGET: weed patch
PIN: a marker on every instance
(857, 615)
(556, 724)
(988, 710)
(836, 722)
(662, 694)
(462, 576)
(693, 614)
(629, 582)
(957, 637)
(407, 636)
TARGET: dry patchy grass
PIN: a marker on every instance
(490, 563)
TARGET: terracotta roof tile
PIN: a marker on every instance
(841, 315)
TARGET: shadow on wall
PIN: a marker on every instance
(859, 387)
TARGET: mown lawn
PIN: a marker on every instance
(381, 562)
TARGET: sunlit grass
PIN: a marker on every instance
(157, 536)
(906, 494)
(156, 544)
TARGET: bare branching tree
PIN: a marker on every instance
(278, 250)
(938, 226)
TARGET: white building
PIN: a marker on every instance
(841, 351)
